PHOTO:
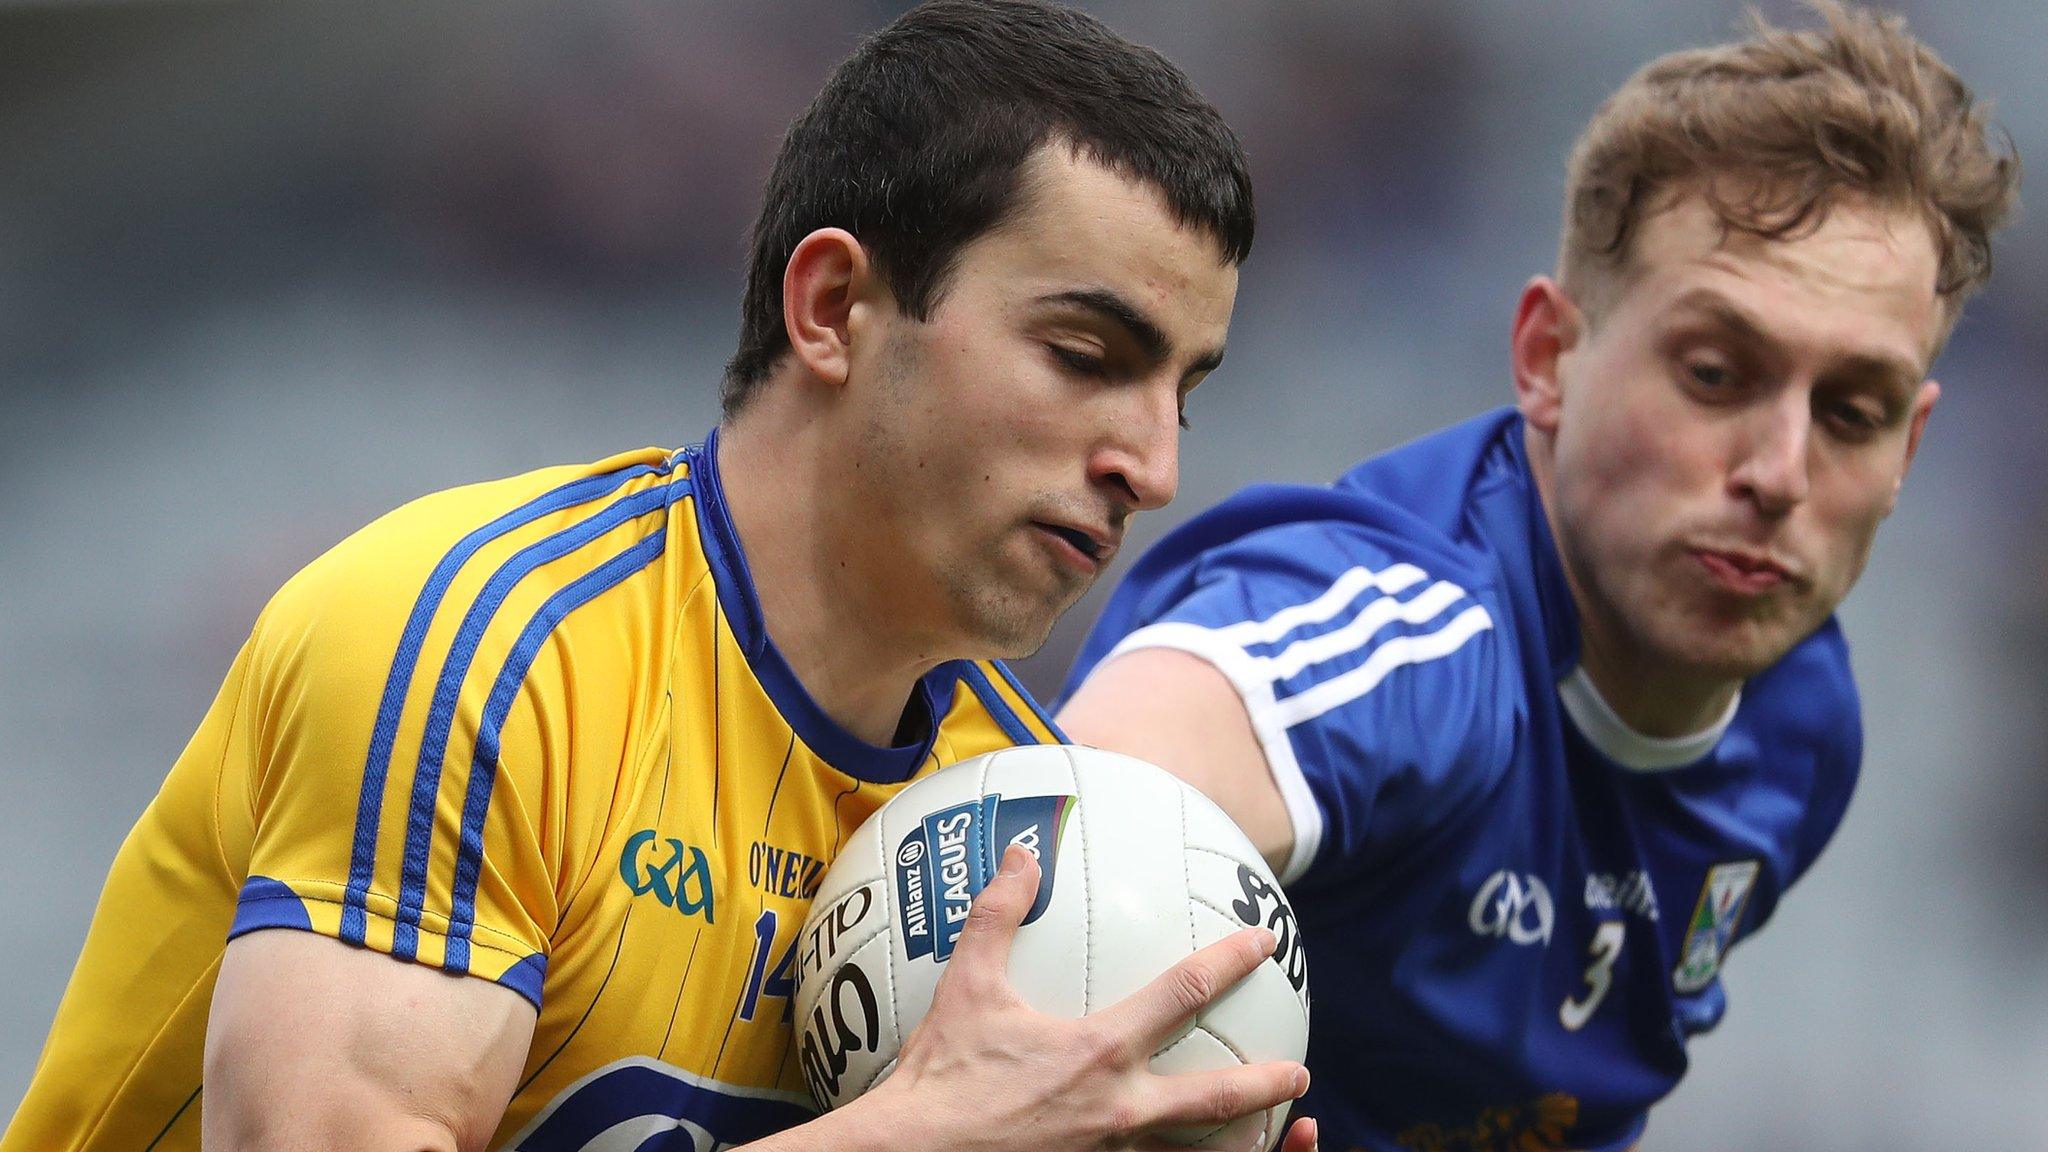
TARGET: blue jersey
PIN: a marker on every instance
(1516, 905)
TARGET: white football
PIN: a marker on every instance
(1137, 870)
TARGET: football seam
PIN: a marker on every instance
(1204, 901)
(1210, 852)
(845, 951)
(895, 997)
(850, 957)
(1187, 878)
(883, 860)
(1087, 895)
(885, 880)
(1228, 1047)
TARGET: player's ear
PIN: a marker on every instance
(827, 275)
(1547, 325)
(1916, 423)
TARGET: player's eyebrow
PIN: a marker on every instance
(1890, 372)
(1150, 338)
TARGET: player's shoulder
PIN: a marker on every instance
(983, 706)
(1284, 539)
(1801, 724)
(1286, 586)
(1409, 506)
(1364, 626)
(528, 537)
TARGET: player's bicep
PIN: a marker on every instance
(312, 1043)
(1177, 710)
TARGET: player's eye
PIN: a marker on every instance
(1078, 361)
(1710, 375)
(1853, 420)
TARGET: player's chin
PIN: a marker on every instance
(1740, 646)
(1018, 625)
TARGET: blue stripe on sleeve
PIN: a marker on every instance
(997, 707)
(527, 978)
(484, 768)
(1010, 678)
(267, 903)
(419, 829)
(370, 802)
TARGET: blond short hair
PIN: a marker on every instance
(1777, 128)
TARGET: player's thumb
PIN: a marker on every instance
(983, 952)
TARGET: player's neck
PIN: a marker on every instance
(826, 612)
(1654, 701)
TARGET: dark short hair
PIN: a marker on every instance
(916, 142)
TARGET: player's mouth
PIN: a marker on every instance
(1742, 572)
(1081, 549)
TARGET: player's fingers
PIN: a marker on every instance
(1301, 1136)
(1151, 1016)
(1221, 1095)
(983, 951)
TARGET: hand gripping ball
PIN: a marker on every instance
(1137, 870)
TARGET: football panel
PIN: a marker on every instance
(1138, 926)
(1261, 1017)
(849, 1035)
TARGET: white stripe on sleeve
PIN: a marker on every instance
(1393, 654)
(1377, 615)
(1396, 578)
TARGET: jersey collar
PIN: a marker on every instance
(1609, 734)
(736, 596)
(1546, 568)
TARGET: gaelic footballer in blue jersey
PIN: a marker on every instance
(1541, 715)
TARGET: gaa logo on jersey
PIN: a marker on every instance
(1513, 905)
(954, 853)
(1722, 900)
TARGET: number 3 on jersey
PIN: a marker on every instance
(1604, 950)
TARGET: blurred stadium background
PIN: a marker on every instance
(268, 270)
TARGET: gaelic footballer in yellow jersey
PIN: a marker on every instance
(532, 731)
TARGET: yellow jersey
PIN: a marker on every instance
(533, 731)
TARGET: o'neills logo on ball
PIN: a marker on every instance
(955, 852)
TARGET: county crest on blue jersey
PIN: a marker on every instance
(1722, 899)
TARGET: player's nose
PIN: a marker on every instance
(1775, 454)
(1140, 457)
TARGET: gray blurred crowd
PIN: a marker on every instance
(269, 270)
